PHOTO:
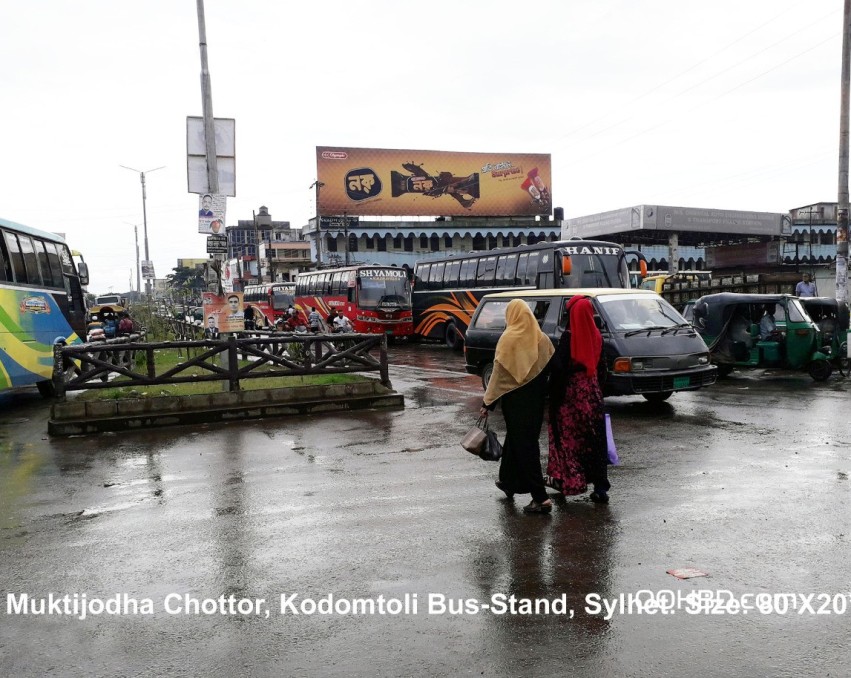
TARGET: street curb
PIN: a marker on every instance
(78, 418)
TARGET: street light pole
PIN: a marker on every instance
(318, 185)
(138, 274)
(145, 219)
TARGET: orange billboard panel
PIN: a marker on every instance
(392, 182)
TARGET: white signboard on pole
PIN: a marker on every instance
(196, 155)
(148, 269)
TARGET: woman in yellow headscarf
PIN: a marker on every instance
(519, 383)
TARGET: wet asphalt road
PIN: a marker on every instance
(747, 481)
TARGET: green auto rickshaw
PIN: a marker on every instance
(832, 318)
(761, 331)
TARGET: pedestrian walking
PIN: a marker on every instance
(519, 383)
(577, 427)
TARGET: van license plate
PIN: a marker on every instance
(682, 382)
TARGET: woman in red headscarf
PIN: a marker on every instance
(577, 427)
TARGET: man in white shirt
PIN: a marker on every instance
(806, 288)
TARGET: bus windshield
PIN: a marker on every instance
(282, 297)
(384, 289)
(589, 269)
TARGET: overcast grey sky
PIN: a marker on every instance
(729, 104)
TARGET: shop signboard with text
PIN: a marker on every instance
(392, 182)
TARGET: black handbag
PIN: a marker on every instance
(492, 449)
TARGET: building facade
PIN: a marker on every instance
(403, 243)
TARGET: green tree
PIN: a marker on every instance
(186, 281)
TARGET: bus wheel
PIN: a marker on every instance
(657, 397)
(46, 389)
(820, 370)
(454, 340)
(487, 373)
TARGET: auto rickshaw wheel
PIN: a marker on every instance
(820, 370)
(657, 397)
(844, 361)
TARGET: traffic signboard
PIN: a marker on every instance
(217, 244)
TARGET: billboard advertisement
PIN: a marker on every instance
(392, 182)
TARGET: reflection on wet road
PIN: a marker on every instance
(747, 481)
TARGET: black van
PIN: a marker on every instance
(649, 348)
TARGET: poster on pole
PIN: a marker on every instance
(147, 269)
(196, 155)
(223, 312)
(211, 213)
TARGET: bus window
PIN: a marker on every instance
(422, 276)
(450, 275)
(468, 273)
(55, 264)
(520, 276)
(18, 270)
(532, 268)
(486, 270)
(435, 279)
(337, 284)
(30, 261)
(43, 264)
(505, 269)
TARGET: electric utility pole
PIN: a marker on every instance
(842, 212)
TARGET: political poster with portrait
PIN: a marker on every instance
(211, 213)
(224, 312)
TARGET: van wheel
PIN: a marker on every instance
(820, 370)
(657, 397)
(487, 373)
(454, 340)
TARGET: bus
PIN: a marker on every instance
(376, 299)
(269, 301)
(42, 299)
(447, 291)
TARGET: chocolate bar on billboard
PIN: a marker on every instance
(464, 189)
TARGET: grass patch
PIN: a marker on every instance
(166, 359)
(167, 390)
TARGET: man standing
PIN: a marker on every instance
(314, 320)
(806, 288)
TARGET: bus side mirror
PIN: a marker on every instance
(642, 266)
(566, 265)
(83, 272)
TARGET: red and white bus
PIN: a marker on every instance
(269, 301)
(376, 299)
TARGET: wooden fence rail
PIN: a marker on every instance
(267, 355)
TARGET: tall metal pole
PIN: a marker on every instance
(138, 269)
(207, 105)
(145, 219)
(842, 212)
